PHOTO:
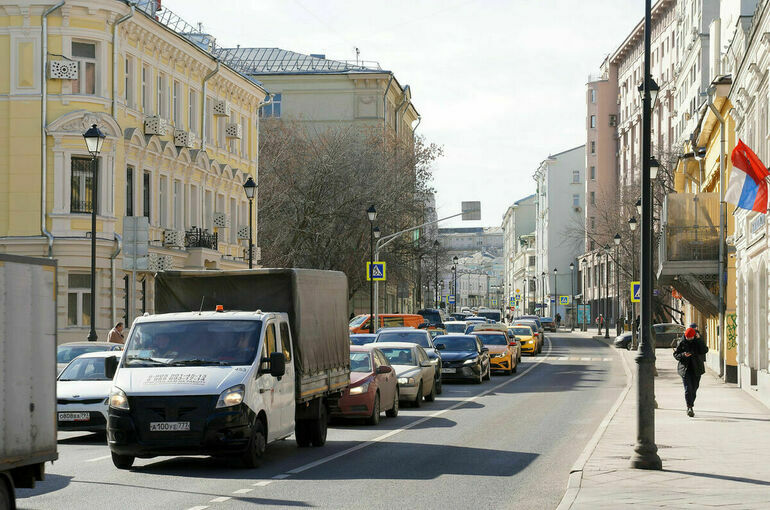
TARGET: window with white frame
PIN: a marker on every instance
(209, 119)
(576, 176)
(178, 205)
(576, 200)
(146, 194)
(244, 136)
(162, 97)
(129, 92)
(233, 221)
(78, 299)
(233, 119)
(273, 109)
(147, 90)
(176, 101)
(593, 95)
(194, 206)
(208, 210)
(163, 196)
(84, 53)
(593, 121)
(192, 112)
(221, 121)
(81, 184)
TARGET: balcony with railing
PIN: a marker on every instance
(689, 247)
(200, 238)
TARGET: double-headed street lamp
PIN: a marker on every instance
(645, 451)
(94, 140)
(454, 268)
(372, 214)
(572, 296)
(250, 187)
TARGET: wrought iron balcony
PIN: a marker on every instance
(200, 238)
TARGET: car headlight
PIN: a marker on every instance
(357, 390)
(406, 381)
(231, 396)
(469, 362)
(500, 355)
(118, 399)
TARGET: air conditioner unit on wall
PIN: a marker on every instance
(184, 138)
(221, 220)
(222, 108)
(62, 70)
(155, 125)
(233, 130)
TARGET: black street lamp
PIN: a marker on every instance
(94, 140)
(586, 313)
(572, 295)
(555, 293)
(436, 246)
(542, 293)
(632, 225)
(608, 301)
(250, 187)
(454, 268)
(616, 313)
(645, 451)
(372, 214)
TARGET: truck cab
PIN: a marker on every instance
(203, 383)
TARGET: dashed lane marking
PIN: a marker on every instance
(242, 491)
(97, 459)
(198, 507)
(221, 499)
(262, 483)
(281, 477)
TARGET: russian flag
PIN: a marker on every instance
(747, 188)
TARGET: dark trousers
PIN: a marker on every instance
(691, 382)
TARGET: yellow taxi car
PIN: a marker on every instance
(527, 339)
(502, 355)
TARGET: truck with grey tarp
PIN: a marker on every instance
(230, 362)
(27, 372)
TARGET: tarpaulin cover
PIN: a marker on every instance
(316, 302)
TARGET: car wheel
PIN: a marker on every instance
(629, 346)
(122, 461)
(393, 411)
(319, 427)
(430, 397)
(6, 494)
(418, 400)
(514, 366)
(256, 448)
(489, 373)
(480, 378)
(302, 433)
(374, 419)
(438, 385)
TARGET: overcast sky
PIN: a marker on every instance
(500, 84)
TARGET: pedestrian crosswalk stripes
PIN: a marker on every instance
(580, 358)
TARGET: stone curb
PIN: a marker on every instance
(576, 473)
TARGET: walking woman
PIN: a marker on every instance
(691, 353)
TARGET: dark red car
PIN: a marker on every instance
(373, 386)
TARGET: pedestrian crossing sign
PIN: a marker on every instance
(564, 300)
(375, 271)
(494, 302)
(636, 292)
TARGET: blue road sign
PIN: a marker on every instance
(636, 292)
(451, 298)
(375, 271)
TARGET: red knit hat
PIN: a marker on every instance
(689, 333)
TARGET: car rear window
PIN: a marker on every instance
(413, 337)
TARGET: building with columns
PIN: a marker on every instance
(181, 139)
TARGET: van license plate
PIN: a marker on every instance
(74, 416)
(169, 426)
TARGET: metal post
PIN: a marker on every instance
(436, 289)
(634, 339)
(454, 305)
(555, 295)
(599, 303)
(92, 336)
(617, 293)
(371, 280)
(608, 302)
(645, 451)
(251, 235)
(572, 299)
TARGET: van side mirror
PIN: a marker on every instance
(110, 366)
(277, 364)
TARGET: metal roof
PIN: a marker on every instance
(277, 61)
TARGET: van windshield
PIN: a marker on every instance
(188, 343)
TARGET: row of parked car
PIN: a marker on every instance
(408, 365)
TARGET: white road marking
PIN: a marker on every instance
(220, 499)
(415, 423)
(262, 483)
(198, 507)
(606, 359)
(281, 477)
(242, 491)
(585, 359)
(97, 459)
(563, 358)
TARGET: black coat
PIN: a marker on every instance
(697, 348)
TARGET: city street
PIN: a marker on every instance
(508, 443)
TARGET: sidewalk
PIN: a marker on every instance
(717, 458)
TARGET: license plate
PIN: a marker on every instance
(74, 416)
(448, 370)
(169, 426)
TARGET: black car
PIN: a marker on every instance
(433, 316)
(463, 357)
(623, 341)
(362, 338)
(548, 324)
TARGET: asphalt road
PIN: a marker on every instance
(508, 443)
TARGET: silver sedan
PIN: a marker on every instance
(416, 374)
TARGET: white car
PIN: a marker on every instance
(455, 327)
(71, 350)
(82, 391)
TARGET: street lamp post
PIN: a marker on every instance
(632, 225)
(608, 301)
(94, 140)
(617, 286)
(599, 302)
(249, 187)
(435, 249)
(555, 293)
(372, 214)
(645, 451)
(454, 268)
(542, 293)
(586, 313)
(572, 295)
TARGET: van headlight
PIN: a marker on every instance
(231, 396)
(118, 399)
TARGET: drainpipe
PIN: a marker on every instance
(115, 59)
(419, 119)
(405, 101)
(118, 247)
(43, 121)
(385, 103)
(203, 112)
(722, 274)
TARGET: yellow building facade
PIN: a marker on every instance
(181, 139)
